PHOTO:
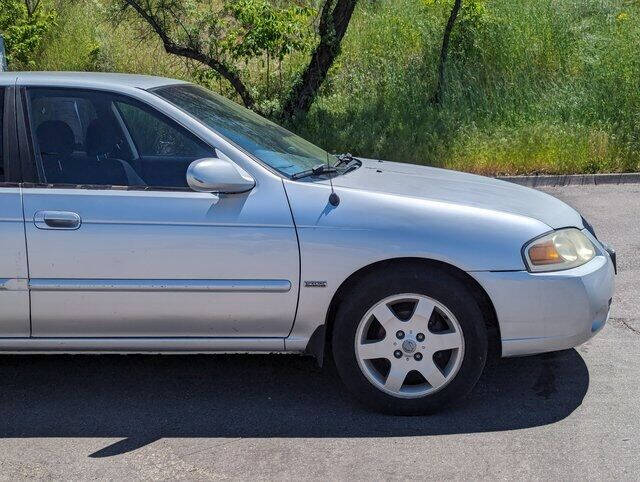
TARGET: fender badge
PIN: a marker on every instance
(315, 284)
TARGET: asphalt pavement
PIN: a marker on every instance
(566, 415)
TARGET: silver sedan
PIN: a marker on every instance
(148, 215)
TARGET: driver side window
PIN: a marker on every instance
(100, 139)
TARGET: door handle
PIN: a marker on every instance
(56, 220)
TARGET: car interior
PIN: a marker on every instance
(99, 139)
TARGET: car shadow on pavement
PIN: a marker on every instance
(144, 398)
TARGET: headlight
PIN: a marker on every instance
(562, 249)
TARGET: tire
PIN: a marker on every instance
(416, 305)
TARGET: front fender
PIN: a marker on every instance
(368, 227)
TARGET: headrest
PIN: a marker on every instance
(55, 138)
(101, 138)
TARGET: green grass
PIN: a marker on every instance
(545, 86)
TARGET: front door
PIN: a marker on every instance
(118, 246)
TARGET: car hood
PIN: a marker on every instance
(460, 188)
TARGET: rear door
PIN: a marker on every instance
(119, 246)
(14, 294)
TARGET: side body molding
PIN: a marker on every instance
(213, 285)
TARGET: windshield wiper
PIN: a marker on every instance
(344, 159)
(315, 171)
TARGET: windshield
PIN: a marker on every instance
(272, 144)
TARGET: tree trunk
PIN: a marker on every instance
(268, 74)
(334, 20)
(444, 51)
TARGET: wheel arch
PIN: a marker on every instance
(320, 340)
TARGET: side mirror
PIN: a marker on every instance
(219, 176)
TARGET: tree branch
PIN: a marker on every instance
(193, 53)
(334, 20)
(444, 52)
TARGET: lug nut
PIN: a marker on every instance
(399, 334)
(420, 337)
(417, 356)
(397, 354)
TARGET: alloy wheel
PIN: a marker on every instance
(409, 345)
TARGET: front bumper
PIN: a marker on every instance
(541, 312)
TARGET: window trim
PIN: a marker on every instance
(10, 151)
(125, 129)
(30, 178)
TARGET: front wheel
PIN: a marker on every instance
(412, 343)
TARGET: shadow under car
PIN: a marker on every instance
(144, 398)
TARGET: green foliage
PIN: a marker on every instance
(546, 86)
(549, 86)
(24, 25)
(265, 29)
(252, 38)
(73, 43)
(471, 26)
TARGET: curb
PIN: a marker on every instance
(574, 179)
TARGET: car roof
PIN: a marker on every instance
(86, 79)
